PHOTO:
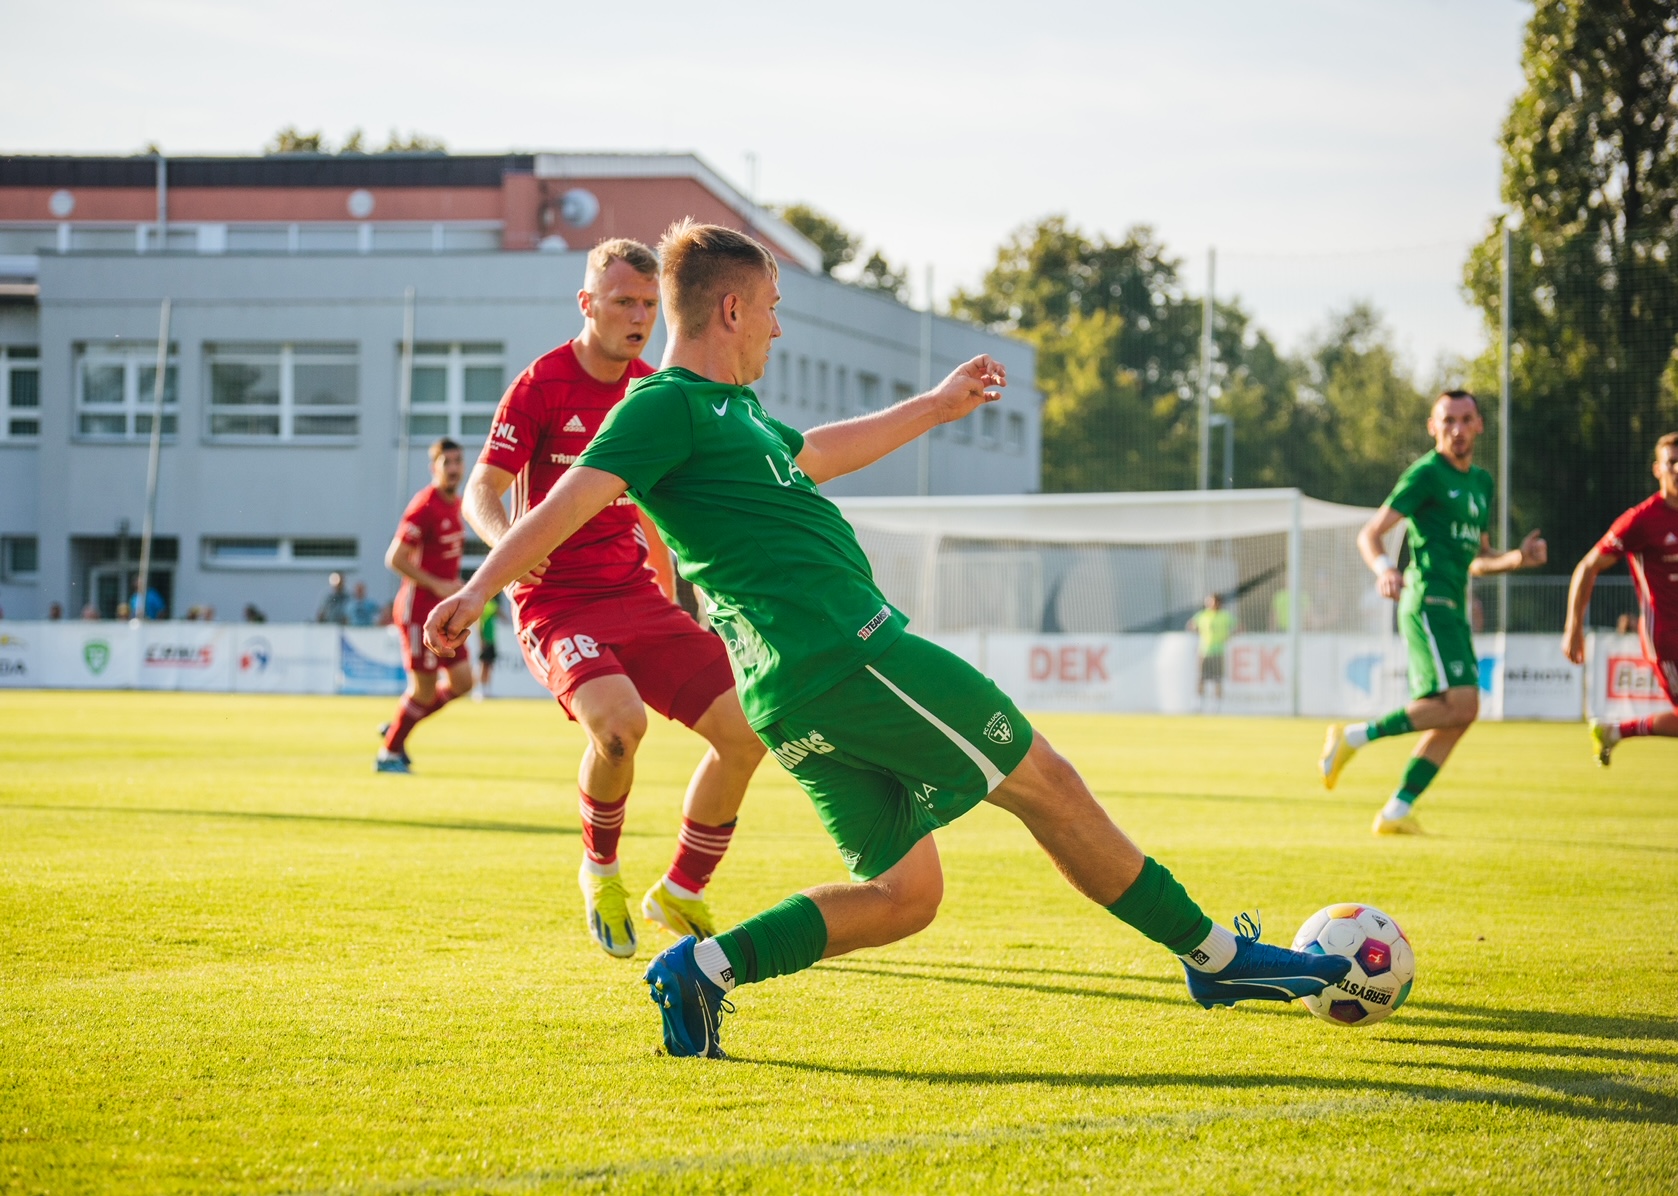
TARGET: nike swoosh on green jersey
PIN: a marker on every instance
(723, 410)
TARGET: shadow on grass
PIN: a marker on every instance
(1570, 844)
(1542, 1021)
(1527, 1048)
(1584, 1095)
(463, 824)
(1057, 990)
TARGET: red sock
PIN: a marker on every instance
(602, 824)
(1637, 726)
(699, 849)
(409, 712)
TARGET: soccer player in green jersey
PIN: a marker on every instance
(1446, 503)
(889, 735)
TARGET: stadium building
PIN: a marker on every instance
(299, 284)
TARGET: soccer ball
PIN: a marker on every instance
(1383, 963)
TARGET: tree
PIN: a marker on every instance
(413, 143)
(878, 274)
(839, 246)
(290, 140)
(1590, 175)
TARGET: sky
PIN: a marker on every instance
(1331, 150)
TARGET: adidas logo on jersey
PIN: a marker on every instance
(1672, 537)
(574, 425)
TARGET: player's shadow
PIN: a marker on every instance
(1561, 1052)
(424, 824)
(1569, 1093)
(1614, 1028)
(993, 981)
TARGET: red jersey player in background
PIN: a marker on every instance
(594, 624)
(1647, 536)
(426, 552)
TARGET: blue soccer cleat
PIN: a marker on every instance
(1260, 972)
(688, 1002)
(392, 762)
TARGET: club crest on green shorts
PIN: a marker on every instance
(998, 729)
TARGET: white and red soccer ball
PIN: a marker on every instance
(1383, 963)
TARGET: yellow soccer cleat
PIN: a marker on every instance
(606, 912)
(1603, 738)
(679, 915)
(1337, 753)
(1407, 825)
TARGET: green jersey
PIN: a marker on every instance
(1448, 511)
(790, 590)
(1215, 628)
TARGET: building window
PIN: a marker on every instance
(114, 391)
(279, 552)
(20, 392)
(821, 385)
(1016, 432)
(869, 385)
(785, 370)
(803, 381)
(456, 389)
(304, 392)
(841, 396)
(901, 391)
(20, 558)
(990, 426)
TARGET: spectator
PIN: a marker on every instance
(335, 607)
(253, 613)
(55, 611)
(1215, 625)
(90, 613)
(1626, 624)
(364, 612)
(192, 614)
(208, 614)
(154, 604)
(124, 612)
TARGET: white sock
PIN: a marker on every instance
(713, 961)
(594, 869)
(678, 890)
(1357, 735)
(1395, 808)
(1213, 955)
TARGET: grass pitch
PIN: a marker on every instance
(233, 959)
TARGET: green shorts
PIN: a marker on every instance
(898, 749)
(1441, 645)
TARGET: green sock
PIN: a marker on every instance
(1396, 723)
(1418, 775)
(785, 939)
(1162, 910)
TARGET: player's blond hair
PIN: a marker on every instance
(622, 249)
(702, 263)
(1670, 440)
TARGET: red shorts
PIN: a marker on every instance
(1663, 658)
(678, 667)
(412, 608)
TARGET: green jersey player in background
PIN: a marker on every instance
(889, 735)
(1446, 503)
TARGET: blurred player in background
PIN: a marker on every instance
(890, 735)
(426, 551)
(1215, 625)
(1446, 502)
(596, 628)
(486, 648)
(1647, 536)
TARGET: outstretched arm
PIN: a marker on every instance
(834, 450)
(1596, 563)
(580, 495)
(483, 509)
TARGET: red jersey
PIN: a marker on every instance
(1647, 536)
(433, 524)
(546, 419)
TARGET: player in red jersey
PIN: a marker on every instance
(1647, 536)
(593, 623)
(426, 551)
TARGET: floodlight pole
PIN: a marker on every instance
(405, 399)
(1505, 531)
(1205, 475)
(153, 458)
(1296, 555)
(923, 450)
